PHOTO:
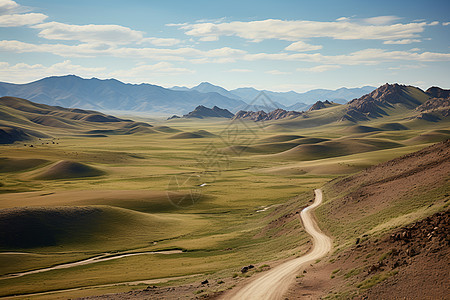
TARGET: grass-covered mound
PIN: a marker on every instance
(88, 227)
(68, 169)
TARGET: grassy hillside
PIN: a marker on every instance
(388, 195)
(23, 120)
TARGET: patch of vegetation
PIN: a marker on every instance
(352, 272)
(375, 279)
(385, 255)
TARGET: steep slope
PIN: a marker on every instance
(319, 105)
(437, 92)
(393, 100)
(438, 106)
(376, 103)
(111, 94)
(397, 103)
(380, 194)
(396, 265)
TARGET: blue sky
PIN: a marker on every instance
(273, 45)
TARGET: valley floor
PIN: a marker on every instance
(216, 206)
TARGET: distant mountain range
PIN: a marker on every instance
(430, 105)
(387, 100)
(286, 100)
(22, 120)
(113, 95)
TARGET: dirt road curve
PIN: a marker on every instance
(274, 283)
(92, 260)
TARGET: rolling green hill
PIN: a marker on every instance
(23, 120)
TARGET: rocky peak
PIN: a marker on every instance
(319, 105)
(205, 112)
(437, 92)
(225, 113)
(386, 95)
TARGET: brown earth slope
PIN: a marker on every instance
(412, 262)
(390, 224)
(389, 190)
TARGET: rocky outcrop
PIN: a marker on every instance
(201, 112)
(440, 103)
(263, 116)
(320, 105)
(437, 92)
(173, 117)
(373, 105)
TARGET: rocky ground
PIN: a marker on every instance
(413, 262)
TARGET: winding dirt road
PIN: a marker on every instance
(92, 260)
(275, 283)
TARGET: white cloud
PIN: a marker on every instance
(343, 19)
(302, 46)
(276, 72)
(161, 41)
(222, 55)
(81, 50)
(219, 55)
(407, 67)
(22, 73)
(10, 15)
(111, 34)
(446, 23)
(381, 20)
(366, 57)
(402, 42)
(319, 69)
(240, 70)
(7, 5)
(298, 30)
(211, 38)
(17, 20)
